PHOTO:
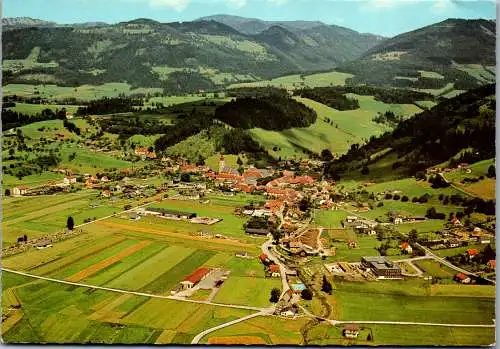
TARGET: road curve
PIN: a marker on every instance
(131, 292)
(199, 336)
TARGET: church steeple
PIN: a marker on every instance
(222, 163)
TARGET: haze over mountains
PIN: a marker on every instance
(218, 50)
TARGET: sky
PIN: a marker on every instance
(382, 17)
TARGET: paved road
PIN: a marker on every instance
(115, 214)
(199, 336)
(132, 292)
(339, 322)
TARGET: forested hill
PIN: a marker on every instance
(180, 57)
(448, 51)
(462, 124)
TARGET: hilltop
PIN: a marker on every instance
(178, 57)
(462, 128)
(455, 51)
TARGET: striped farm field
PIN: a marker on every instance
(171, 276)
(92, 259)
(126, 226)
(151, 269)
(114, 271)
(93, 269)
(78, 254)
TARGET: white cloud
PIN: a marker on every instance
(441, 6)
(278, 2)
(236, 3)
(177, 5)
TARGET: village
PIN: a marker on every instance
(296, 248)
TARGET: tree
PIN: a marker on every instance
(276, 234)
(365, 170)
(413, 235)
(307, 294)
(275, 295)
(7, 192)
(327, 286)
(239, 162)
(70, 223)
(25, 238)
(404, 198)
(326, 155)
(185, 177)
(491, 171)
(201, 160)
(369, 337)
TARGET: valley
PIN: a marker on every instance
(233, 181)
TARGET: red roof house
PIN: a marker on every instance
(274, 268)
(472, 252)
(195, 277)
(492, 264)
(263, 257)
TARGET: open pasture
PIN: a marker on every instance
(32, 109)
(271, 330)
(230, 224)
(81, 93)
(35, 217)
(396, 301)
(252, 291)
(291, 82)
(389, 335)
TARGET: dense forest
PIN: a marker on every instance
(12, 119)
(110, 106)
(331, 97)
(434, 136)
(272, 112)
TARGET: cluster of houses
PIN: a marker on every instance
(144, 153)
(465, 167)
(458, 236)
(272, 268)
(399, 218)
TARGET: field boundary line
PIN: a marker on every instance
(116, 290)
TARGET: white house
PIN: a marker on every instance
(398, 220)
(21, 190)
(69, 180)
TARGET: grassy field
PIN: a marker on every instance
(292, 82)
(409, 301)
(32, 109)
(35, 217)
(330, 219)
(399, 335)
(230, 224)
(250, 291)
(435, 269)
(84, 92)
(271, 330)
(54, 313)
(353, 127)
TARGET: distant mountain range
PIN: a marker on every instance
(462, 51)
(215, 51)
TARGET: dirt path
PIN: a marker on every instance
(93, 269)
(176, 235)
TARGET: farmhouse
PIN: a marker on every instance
(106, 193)
(69, 180)
(351, 219)
(194, 278)
(170, 213)
(264, 258)
(21, 190)
(274, 269)
(242, 254)
(492, 264)
(350, 331)
(462, 278)
(382, 267)
(471, 253)
(257, 231)
(406, 247)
